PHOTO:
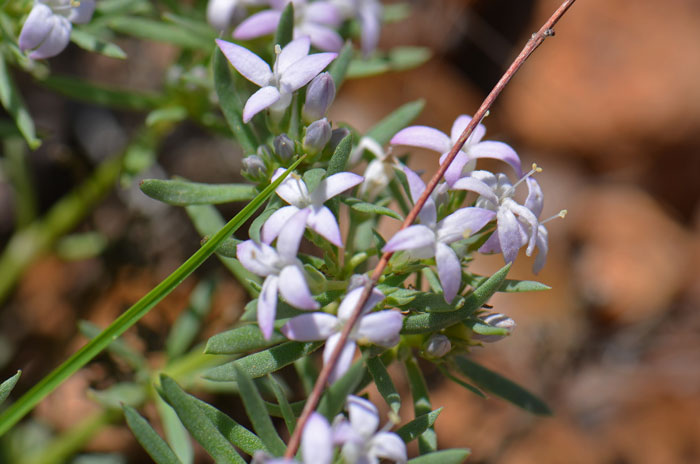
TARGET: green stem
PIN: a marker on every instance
(27, 402)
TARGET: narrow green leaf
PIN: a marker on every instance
(182, 193)
(435, 303)
(242, 339)
(384, 383)
(7, 386)
(430, 322)
(461, 382)
(118, 347)
(509, 285)
(340, 156)
(166, 115)
(21, 407)
(188, 324)
(195, 25)
(255, 407)
(333, 400)
(229, 248)
(158, 31)
(371, 208)
(275, 411)
(427, 441)
(92, 43)
(232, 430)
(198, 424)
(307, 372)
(175, 433)
(262, 363)
(501, 386)
(450, 456)
(285, 27)
(103, 96)
(339, 68)
(154, 445)
(418, 426)
(288, 415)
(254, 231)
(231, 104)
(360, 67)
(14, 104)
(122, 393)
(404, 58)
(385, 129)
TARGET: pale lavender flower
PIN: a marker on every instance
(437, 346)
(381, 328)
(282, 270)
(474, 148)
(293, 69)
(517, 225)
(361, 440)
(48, 26)
(379, 171)
(221, 14)
(431, 238)
(369, 15)
(315, 20)
(497, 320)
(316, 444)
(319, 218)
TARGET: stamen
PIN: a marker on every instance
(535, 170)
(560, 214)
(278, 49)
(466, 233)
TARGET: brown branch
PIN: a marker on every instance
(535, 41)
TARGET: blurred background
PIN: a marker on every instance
(609, 108)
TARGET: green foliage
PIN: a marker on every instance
(242, 339)
(154, 445)
(418, 426)
(81, 90)
(334, 398)
(7, 386)
(285, 28)
(183, 193)
(384, 384)
(92, 43)
(339, 68)
(13, 103)
(186, 327)
(427, 440)
(401, 117)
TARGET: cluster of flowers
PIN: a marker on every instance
(357, 435)
(516, 225)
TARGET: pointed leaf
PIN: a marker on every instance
(288, 415)
(241, 340)
(160, 32)
(333, 400)
(427, 440)
(232, 430)
(255, 407)
(103, 96)
(417, 426)
(461, 382)
(92, 43)
(188, 324)
(175, 433)
(450, 456)
(371, 208)
(509, 285)
(7, 386)
(182, 193)
(385, 129)
(285, 28)
(501, 386)
(340, 156)
(154, 445)
(384, 384)
(198, 424)
(13, 103)
(339, 68)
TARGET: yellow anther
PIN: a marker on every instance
(536, 168)
(466, 233)
(563, 213)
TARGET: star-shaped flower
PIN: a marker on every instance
(361, 441)
(379, 171)
(381, 328)
(319, 218)
(431, 238)
(316, 444)
(282, 270)
(293, 69)
(315, 20)
(48, 26)
(474, 148)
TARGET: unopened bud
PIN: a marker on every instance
(494, 320)
(317, 136)
(336, 136)
(437, 346)
(253, 167)
(319, 96)
(284, 147)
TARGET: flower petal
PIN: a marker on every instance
(292, 52)
(345, 359)
(457, 167)
(543, 248)
(473, 184)
(334, 185)
(535, 199)
(82, 13)
(422, 136)
(290, 236)
(275, 223)
(427, 214)
(294, 288)
(250, 65)
(322, 37)
(306, 69)
(363, 415)
(324, 13)
(292, 190)
(263, 98)
(410, 238)
(36, 28)
(267, 306)
(492, 245)
(388, 445)
(220, 13)
(449, 270)
(257, 25)
(463, 223)
(56, 41)
(349, 303)
(310, 327)
(499, 151)
(508, 234)
(529, 218)
(460, 124)
(316, 440)
(381, 328)
(370, 17)
(322, 221)
(260, 259)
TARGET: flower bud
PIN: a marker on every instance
(336, 136)
(317, 136)
(437, 346)
(495, 320)
(319, 96)
(284, 147)
(253, 167)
